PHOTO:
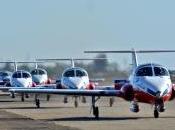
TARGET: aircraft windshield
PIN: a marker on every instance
(17, 75)
(69, 73)
(37, 72)
(20, 75)
(159, 71)
(80, 73)
(25, 75)
(145, 71)
(3, 74)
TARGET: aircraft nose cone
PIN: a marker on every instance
(76, 82)
(21, 84)
(37, 79)
(71, 82)
(158, 86)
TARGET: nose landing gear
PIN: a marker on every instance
(94, 107)
(37, 101)
(159, 107)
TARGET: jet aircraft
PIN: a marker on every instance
(19, 79)
(74, 77)
(148, 83)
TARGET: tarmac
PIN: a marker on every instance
(55, 115)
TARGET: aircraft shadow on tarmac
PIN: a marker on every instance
(14, 119)
(33, 107)
(7, 101)
(103, 118)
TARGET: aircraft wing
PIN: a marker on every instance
(105, 87)
(49, 86)
(80, 92)
(97, 80)
(4, 88)
(46, 86)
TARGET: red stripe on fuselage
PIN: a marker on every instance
(144, 97)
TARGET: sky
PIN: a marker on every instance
(32, 29)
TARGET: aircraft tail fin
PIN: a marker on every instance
(69, 59)
(133, 52)
(17, 62)
(15, 66)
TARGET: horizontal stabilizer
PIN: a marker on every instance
(65, 59)
(21, 62)
(69, 59)
(131, 51)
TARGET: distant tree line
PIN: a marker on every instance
(95, 69)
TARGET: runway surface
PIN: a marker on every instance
(55, 115)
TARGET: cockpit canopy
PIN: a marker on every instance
(5, 73)
(38, 72)
(21, 74)
(75, 72)
(151, 70)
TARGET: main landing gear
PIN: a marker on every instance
(48, 97)
(76, 102)
(37, 101)
(134, 107)
(111, 101)
(12, 95)
(95, 108)
(65, 99)
(83, 99)
(22, 97)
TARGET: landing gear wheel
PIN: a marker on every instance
(37, 101)
(134, 107)
(137, 108)
(156, 114)
(12, 95)
(22, 98)
(76, 103)
(96, 112)
(26, 95)
(65, 100)
(83, 99)
(111, 101)
(48, 97)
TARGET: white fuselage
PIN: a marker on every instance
(153, 82)
(75, 82)
(75, 78)
(5, 77)
(39, 76)
(40, 79)
(21, 79)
